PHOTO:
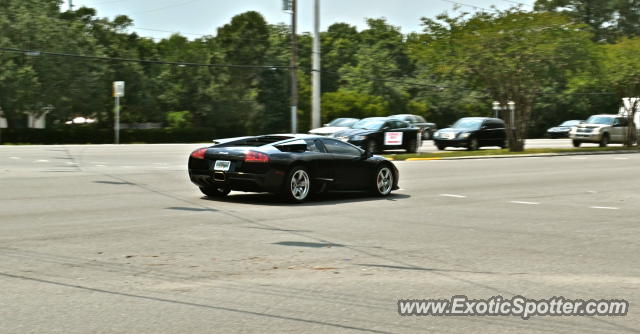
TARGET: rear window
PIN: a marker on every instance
(256, 141)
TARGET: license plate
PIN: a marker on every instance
(222, 165)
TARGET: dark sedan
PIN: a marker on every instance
(472, 133)
(562, 130)
(426, 129)
(377, 134)
(293, 166)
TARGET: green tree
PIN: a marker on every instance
(608, 19)
(622, 69)
(513, 55)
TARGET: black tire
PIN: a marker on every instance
(441, 147)
(412, 145)
(297, 185)
(473, 144)
(372, 146)
(383, 181)
(216, 191)
(576, 143)
(504, 145)
(605, 140)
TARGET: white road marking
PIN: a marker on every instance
(14, 158)
(453, 196)
(41, 161)
(621, 159)
(604, 208)
(578, 158)
(101, 166)
(524, 203)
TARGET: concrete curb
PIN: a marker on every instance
(533, 155)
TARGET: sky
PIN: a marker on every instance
(200, 17)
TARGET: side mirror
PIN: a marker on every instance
(326, 124)
(484, 127)
(367, 154)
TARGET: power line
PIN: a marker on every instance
(437, 88)
(167, 7)
(144, 61)
(468, 5)
(518, 3)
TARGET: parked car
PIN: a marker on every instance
(293, 166)
(334, 126)
(426, 129)
(601, 129)
(562, 130)
(377, 134)
(472, 133)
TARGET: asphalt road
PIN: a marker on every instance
(100, 239)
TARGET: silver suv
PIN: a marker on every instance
(600, 129)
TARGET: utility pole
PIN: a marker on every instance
(294, 66)
(315, 71)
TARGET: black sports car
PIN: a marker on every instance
(293, 166)
(377, 134)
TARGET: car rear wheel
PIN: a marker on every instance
(215, 191)
(605, 140)
(473, 144)
(412, 145)
(441, 147)
(297, 185)
(384, 181)
(577, 143)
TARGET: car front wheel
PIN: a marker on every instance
(372, 146)
(577, 143)
(383, 181)
(473, 144)
(297, 185)
(604, 141)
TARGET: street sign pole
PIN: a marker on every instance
(118, 92)
(117, 121)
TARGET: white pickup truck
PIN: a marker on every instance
(601, 129)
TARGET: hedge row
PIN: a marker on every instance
(90, 135)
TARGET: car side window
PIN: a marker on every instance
(313, 146)
(399, 125)
(338, 147)
(621, 122)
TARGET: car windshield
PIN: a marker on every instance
(343, 122)
(467, 123)
(369, 124)
(570, 123)
(600, 120)
(402, 118)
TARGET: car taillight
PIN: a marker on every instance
(253, 156)
(199, 153)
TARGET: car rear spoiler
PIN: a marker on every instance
(228, 140)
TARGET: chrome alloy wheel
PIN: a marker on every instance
(300, 185)
(384, 181)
